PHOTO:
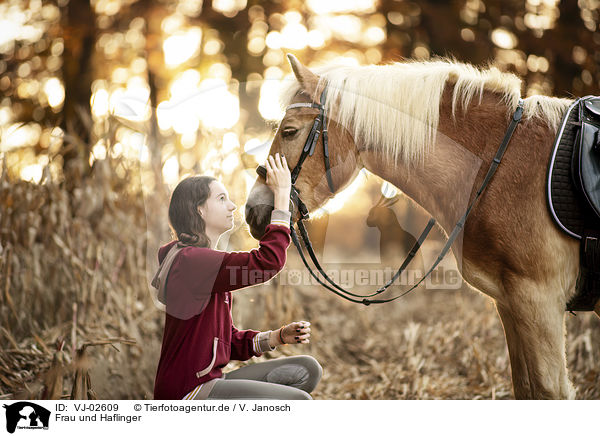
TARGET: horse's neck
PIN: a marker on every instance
(444, 181)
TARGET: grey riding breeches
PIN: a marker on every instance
(287, 378)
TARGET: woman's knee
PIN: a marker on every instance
(293, 393)
(314, 367)
(303, 395)
(314, 370)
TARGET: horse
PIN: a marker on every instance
(423, 126)
(394, 242)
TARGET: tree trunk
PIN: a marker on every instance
(79, 35)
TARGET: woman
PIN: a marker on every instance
(195, 281)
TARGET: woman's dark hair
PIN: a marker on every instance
(187, 224)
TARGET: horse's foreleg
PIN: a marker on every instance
(538, 319)
(518, 364)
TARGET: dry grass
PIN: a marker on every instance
(72, 275)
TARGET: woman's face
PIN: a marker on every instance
(217, 211)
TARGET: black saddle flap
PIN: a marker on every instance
(593, 107)
(589, 165)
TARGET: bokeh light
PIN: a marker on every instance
(55, 92)
(182, 46)
(218, 86)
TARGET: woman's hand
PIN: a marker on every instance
(294, 333)
(279, 180)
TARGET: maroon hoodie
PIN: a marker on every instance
(199, 338)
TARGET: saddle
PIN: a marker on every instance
(573, 191)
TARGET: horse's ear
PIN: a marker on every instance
(307, 78)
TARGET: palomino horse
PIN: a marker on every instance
(410, 123)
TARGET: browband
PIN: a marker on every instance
(299, 105)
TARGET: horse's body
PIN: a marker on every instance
(511, 251)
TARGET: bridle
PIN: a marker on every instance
(319, 123)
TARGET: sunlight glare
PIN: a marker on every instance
(274, 40)
(374, 35)
(172, 23)
(32, 173)
(99, 103)
(134, 146)
(250, 179)
(132, 104)
(164, 116)
(182, 46)
(170, 171)
(316, 39)
(294, 36)
(20, 135)
(180, 87)
(230, 163)
(268, 105)
(218, 108)
(229, 7)
(230, 142)
(257, 148)
(337, 202)
(99, 150)
(345, 27)
(6, 116)
(504, 38)
(55, 92)
(341, 6)
(185, 121)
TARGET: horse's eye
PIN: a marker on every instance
(288, 132)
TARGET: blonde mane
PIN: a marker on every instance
(395, 107)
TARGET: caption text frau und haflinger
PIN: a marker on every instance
(103, 416)
(116, 417)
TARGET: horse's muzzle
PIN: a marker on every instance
(258, 217)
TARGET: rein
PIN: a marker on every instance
(308, 150)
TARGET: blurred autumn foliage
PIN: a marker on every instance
(106, 104)
(66, 66)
